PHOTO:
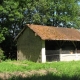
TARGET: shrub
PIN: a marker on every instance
(2, 57)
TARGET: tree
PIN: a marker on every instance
(2, 34)
(15, 14)
(52, 12)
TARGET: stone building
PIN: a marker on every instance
(40, 43)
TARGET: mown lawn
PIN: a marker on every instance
(40, 71)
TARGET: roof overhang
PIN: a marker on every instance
(53, 33)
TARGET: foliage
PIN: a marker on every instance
(14, 14)
(2, 57)
(3, 32)
(52, 12)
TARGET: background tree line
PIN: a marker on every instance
(14, 14)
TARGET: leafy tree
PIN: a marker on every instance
(15, 14)
(2, 34)
(52, 12)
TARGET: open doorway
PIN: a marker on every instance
(52, 50)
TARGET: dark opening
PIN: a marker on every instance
(52, 50)
(55, 48)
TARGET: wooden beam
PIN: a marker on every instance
(73, 44)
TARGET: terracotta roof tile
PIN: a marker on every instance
(55, 33)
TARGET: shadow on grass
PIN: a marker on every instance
(49, 76)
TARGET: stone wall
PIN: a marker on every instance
(29, 46)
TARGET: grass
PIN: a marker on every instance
(59, 70)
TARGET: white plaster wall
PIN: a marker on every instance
(43, 53)
(69, 57)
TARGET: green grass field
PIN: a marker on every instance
(41, 71)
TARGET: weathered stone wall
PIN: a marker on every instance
(29, 46)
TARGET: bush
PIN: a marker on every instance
(2, 57)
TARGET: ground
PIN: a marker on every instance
(26, 70)
(25, 74)
(8, 75)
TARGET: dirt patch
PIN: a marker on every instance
(17, 63)
(5, 76)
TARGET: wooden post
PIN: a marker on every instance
(60, 50)
(43, 52)
(77, 56)
(76, 50)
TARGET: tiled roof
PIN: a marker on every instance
(55, 33)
